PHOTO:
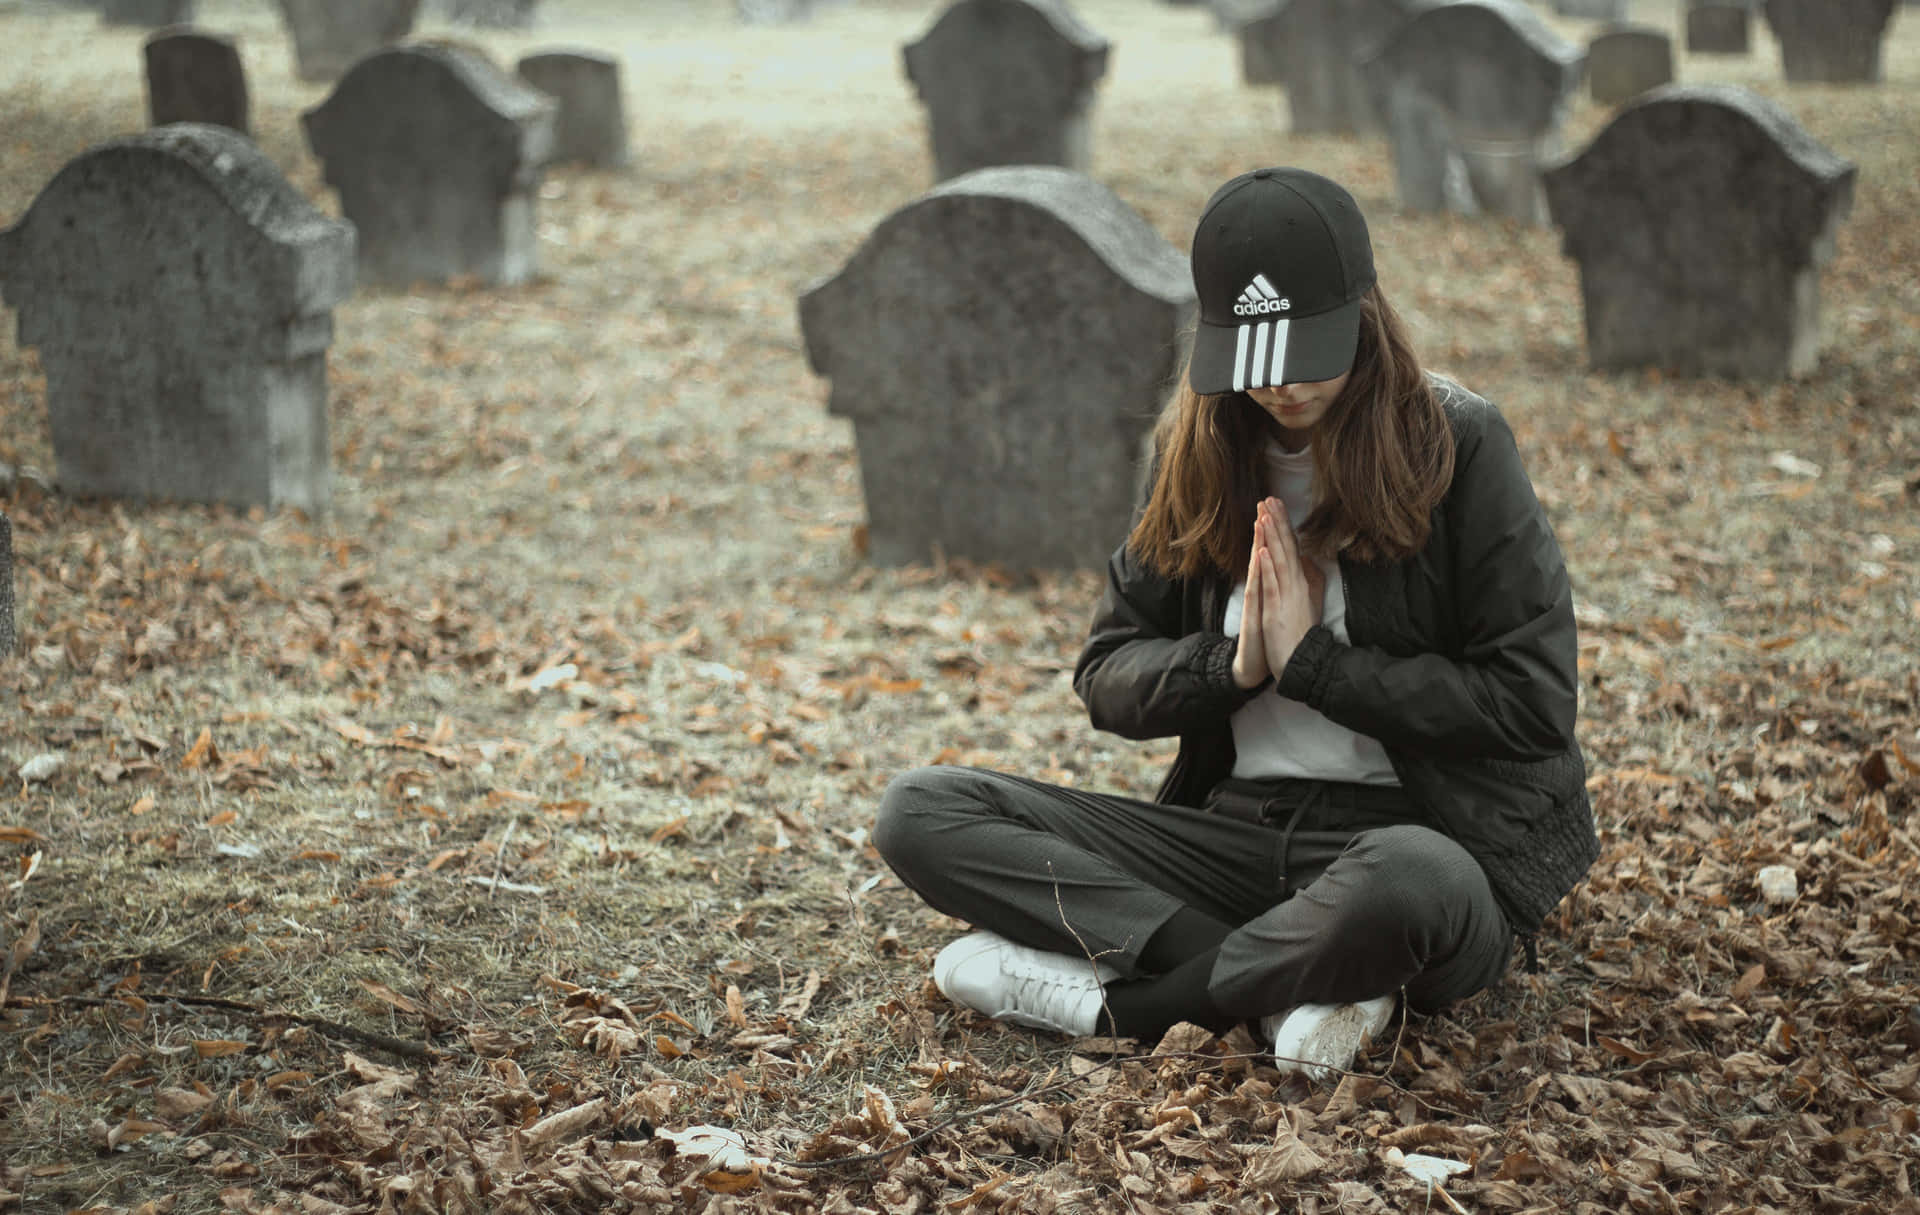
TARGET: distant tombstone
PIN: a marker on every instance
(590, 126)
(330, 36)
(150, 13)
(195, 77)
(1830, 41)
(1475, 93)
(7, 633)
(772, 12)
(1592, 10)
(1314, 48)
(1007, 82)
(1002, 345)
(1626, 61)
(180, 293)
(437, 155)
(1719, 29)
(1700, 217)
(492, 14)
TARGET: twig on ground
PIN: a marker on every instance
(365, 1037)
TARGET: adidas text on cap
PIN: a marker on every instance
(1280, 261)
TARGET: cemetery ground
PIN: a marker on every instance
(467, 846)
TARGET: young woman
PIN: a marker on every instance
(1344, 599)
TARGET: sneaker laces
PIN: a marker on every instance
(1050, 992)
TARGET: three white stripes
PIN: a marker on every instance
(1261, 371)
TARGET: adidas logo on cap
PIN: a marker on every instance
(1260, 298)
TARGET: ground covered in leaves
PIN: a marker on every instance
(497, 841)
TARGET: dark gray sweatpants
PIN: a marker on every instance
(1338, 893)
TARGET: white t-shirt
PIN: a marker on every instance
(1277, 737)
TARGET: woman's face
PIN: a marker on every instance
(1298, 408)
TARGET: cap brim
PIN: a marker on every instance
(1269, 351)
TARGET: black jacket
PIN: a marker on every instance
(1462, 665)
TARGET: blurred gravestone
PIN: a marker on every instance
(329, 36)
(1475, 92)
(1314, 48)
(591, 124)
(437, 155)
(1002, 346)
(7, 634)
(180, 293)
(1592, 10)
(1830, 41)
(1700, 217)
(1007, 82)
(492, 14)
(1626, 61)
(1719, 29)
(151, 13)
(772, 12)
(195, 77)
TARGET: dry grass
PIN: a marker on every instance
(627, 467)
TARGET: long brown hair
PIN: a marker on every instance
(1382, 460)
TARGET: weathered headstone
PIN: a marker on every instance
(1002, 345)
(1475, 93)
(180, 293)
(7, 633)
(1626, 61)
(1700, 217)
(493, 14)
(1314, 48)
(591, 124)
(195, 77)
(1007, 82)
(1719, 29)
(1592, 10)
(437, 155)
(330, 36)
(1830, 41)
(151, 13)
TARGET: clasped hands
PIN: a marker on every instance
(1284, 598)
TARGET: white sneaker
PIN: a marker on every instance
(990, 974)
(1318, 1039)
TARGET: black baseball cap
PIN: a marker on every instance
(1280, 261)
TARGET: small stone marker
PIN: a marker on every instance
(772, 12)
(195, 77)
(591, 124)
(330, 36)
(1002, 346)
(180, 293)
(1007, 82)
(1830, 41)
(1314, 48)
(1719, 29)
(437, 155)
(1626, 61)
(1592, 10)
(150, 13)
(1475, 93)
(493, 14)
(1700, 217)
(7, 633)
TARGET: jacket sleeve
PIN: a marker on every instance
(1141, 674)
(1510, 690)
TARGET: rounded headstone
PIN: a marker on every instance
(1002, 346)
(591, 124)
(1314, 48)
(195, 77)
(1626, 61)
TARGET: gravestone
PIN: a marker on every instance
(180, 293)
(437, 155)
(1475, 93)
(1626, 61)
(590, 126)
(1314, 48)
(195, 77)
(1700, 217)
(7, 633)
(1002, 346)
(772, 12)
(150, 13)
(1719, 29)
(492, 14)
(330, 36)
(1592, 10)
(1007, 82)
(1830, 41)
